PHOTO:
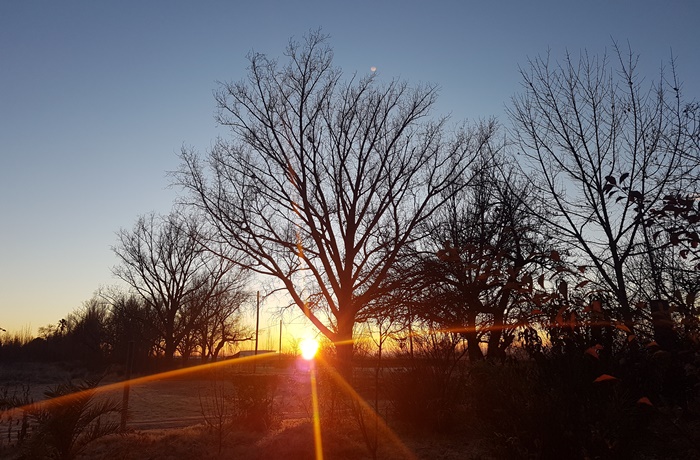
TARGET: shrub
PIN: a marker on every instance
(69, 420)
(254, 403)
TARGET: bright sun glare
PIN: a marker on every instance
(308, 347)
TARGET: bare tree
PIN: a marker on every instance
(164, 261)
(605, 149)
(220, 324)
(324, 181)
(483, 254)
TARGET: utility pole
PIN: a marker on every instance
(257, 327)
(280, 347)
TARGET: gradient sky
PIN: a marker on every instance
(97, 98)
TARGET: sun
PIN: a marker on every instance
(308, 348)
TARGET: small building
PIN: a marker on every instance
(246, 353)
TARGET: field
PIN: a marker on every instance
(231, 412)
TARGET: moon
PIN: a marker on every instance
(373, 69)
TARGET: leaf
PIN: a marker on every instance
(563, 289)
(611, 179)
(537, 311)
(582, 284)
(636, 196)
(555, 256)
(540, 281)
(592, 351)
(678, 295)
(624, 176)
(622, 327)
(652, 344)
(605, 378)
(644, 400)
(582, 268)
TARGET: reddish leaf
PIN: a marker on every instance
(555, 256)
(592, 352)
(540, 281)
(622, 327)
(537, 311)
(564, 289)
(644, 400)
(582, 284)
(605, 378)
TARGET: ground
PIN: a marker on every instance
(272, 417)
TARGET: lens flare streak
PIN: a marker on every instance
(318, 445)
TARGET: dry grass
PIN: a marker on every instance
(292, 440)
(166, 422)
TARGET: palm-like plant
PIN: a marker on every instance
(69, 420)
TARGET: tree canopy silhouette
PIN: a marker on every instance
(606, 149)
(325, 181)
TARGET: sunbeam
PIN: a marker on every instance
(318, 444)
(114, 387)
(382, 426)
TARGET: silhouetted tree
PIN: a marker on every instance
(165, 261)
(220, 324)
(604, 149)
(86, 335)
(325, 181)
(131, 321)
(485, 251)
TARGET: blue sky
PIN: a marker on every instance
(97, 98)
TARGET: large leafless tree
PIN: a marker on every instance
(325, 180)
(164, 260)
(483, 254)
(606, 148)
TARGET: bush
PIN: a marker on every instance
(254, 400)
(556, 410)
(426, 398)
(69, 420)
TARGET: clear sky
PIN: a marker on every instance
(97, 98)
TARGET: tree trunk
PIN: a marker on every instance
(473, 349)
(494, 351)
(344, 347)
